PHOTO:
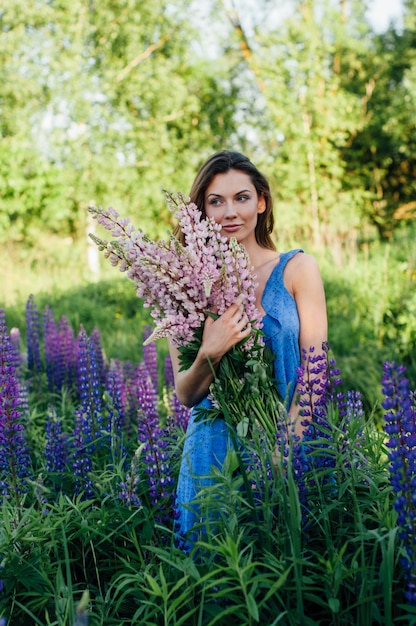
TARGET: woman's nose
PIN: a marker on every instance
(230, 210)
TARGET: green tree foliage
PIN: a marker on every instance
(101, 101)
(109, 101)
(381, 157)
(333, 116)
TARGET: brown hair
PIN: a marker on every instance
(221, 163)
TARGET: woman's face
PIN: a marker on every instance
(232, 200)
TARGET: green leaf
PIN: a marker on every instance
(252, 607)
(334, 604)
(243, 427)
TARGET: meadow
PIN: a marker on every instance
(92, 434)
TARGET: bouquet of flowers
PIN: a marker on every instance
(182, 284)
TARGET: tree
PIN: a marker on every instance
(381, 156)
(107, 104)
(317, 74)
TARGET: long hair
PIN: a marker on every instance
(221, 163)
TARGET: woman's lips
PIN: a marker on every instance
(231, 228)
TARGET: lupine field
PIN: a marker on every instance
(89, 455)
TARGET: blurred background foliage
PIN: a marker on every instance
(109, 102)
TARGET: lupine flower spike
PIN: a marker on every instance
(15, 461)
(400, 425)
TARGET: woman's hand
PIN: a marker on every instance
(222, 334)
(218, 338)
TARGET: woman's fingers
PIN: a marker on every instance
(232, 326)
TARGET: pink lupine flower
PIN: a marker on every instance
(179, 283)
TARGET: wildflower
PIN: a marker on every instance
(15, 462)
(318, 378)
(115, 404)
(128, 488)
(146, 402)
(169, 380)
(154, 440)
(178, 415)
(15, 340)
(95, 340)
(56, 453)
(81, 460)
(130, 400)
(51, 344)
(33, 336)
(81, 617)
(59, 346)
(150, 356)
(89, 383)
(179, 283)
(157, 465)
(400, 425)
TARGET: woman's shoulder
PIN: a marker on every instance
(301, 259)
(302, 269)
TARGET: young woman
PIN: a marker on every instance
(290, 296)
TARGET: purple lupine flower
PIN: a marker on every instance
(16, 341)
(157, 465)
(81, 615)
(317, 381)
(89, 385)
(313, 387)
(354, 408)
(116, 408)
(179, 414)
(81, 459)
(56, 447)
(150, 356)
(130, 419)
(156, 457)
(51, 346)
(169, 379)
(318, 378)
(66, 365)
(33, 336)
(128, 487)
(146, 403)
(400, 426)
(95, 339)
(60, 348)
(15, 462)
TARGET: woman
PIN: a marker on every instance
(290, 296)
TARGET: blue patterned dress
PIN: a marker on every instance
(206, 444)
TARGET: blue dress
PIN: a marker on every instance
(207, 443)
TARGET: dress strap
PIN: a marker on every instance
(285, 258)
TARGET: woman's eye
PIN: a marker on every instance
(214, 201)
(242, 198)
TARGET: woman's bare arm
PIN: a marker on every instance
(308, 292)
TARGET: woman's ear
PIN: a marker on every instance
(261, 205)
